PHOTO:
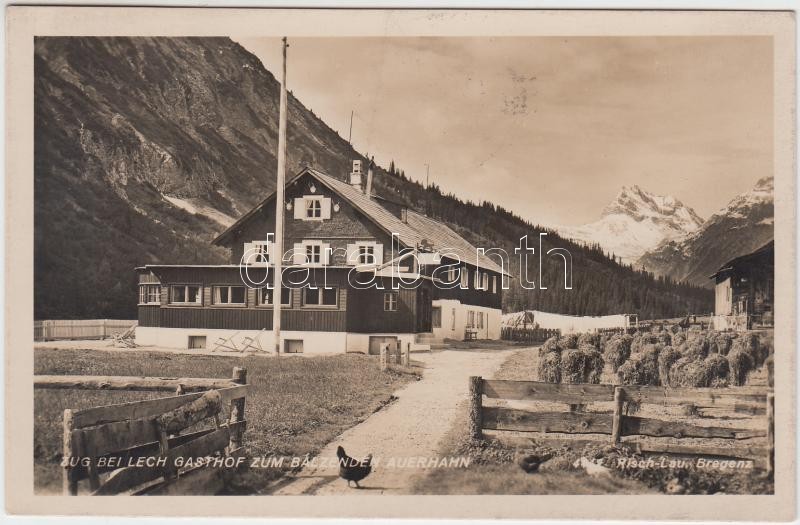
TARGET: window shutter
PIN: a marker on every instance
(299, 256)
(326, 208)
(326, 254)
(299, 208)
(352, 258)
(378, 253)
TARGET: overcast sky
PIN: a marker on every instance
(550, 128)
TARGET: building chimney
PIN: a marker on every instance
(368, 188)
(355, 175)
(404, 214)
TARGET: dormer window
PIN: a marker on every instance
(312, 208)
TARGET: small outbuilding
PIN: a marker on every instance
(745, 291)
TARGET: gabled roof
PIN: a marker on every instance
(730, 265)
(419, 228)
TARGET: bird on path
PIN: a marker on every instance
(351, 469)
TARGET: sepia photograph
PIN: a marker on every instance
(433, 263)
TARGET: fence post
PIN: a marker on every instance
(237, 410)
(770, 433)
(69, 483)
(475, 407)
(616, 422)
(384, 359)
(407, 355)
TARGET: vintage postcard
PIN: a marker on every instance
(327, 262)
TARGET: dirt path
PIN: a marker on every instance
(411, 427)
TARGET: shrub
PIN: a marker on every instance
(678, 339)
(549, 369)
(666, 359)
(618, 350)
(584, 365)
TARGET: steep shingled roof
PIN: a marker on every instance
(419, 228)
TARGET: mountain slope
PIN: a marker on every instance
(145, 148)
(745, 224)
(636, 221)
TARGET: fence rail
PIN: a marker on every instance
(617, 424)
(528, 335)
(116, 439)
(49, 330)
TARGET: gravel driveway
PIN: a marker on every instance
(408, 429)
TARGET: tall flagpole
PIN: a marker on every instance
(279, 208)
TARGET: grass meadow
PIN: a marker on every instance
(295, 405)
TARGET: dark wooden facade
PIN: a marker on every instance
(359, 311)
(745, 286)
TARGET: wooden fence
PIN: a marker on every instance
(758, 402)
(528, 335)
(137, 447)
(78, 328)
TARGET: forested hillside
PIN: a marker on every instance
(145, 148)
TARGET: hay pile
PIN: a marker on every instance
(549, 368)
(569, 341)
(720, 342)
(617, 350)
(642, 367)
(746, 355)
(666, 358)
(641, 340)
(711, 371)
(584, 365)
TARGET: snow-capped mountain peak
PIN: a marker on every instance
(635, 222)
(743, 225)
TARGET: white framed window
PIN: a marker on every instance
(312, 253)
(228, 295)
(477, 279)
(315, 297)
(312, 208)
(480, 321)
(464, 277)
(186, 294)
(365, 253)
(494, 284)
(485, 281)
(471, 319)
(149, 294)
(264, 296)
(257, 252)
(390, 301)
(451, 275)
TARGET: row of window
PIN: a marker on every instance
(192, 294)
(474, 319)
(224, 295)
(314, 252)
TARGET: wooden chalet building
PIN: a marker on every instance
(359, 271)
(745, 291)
